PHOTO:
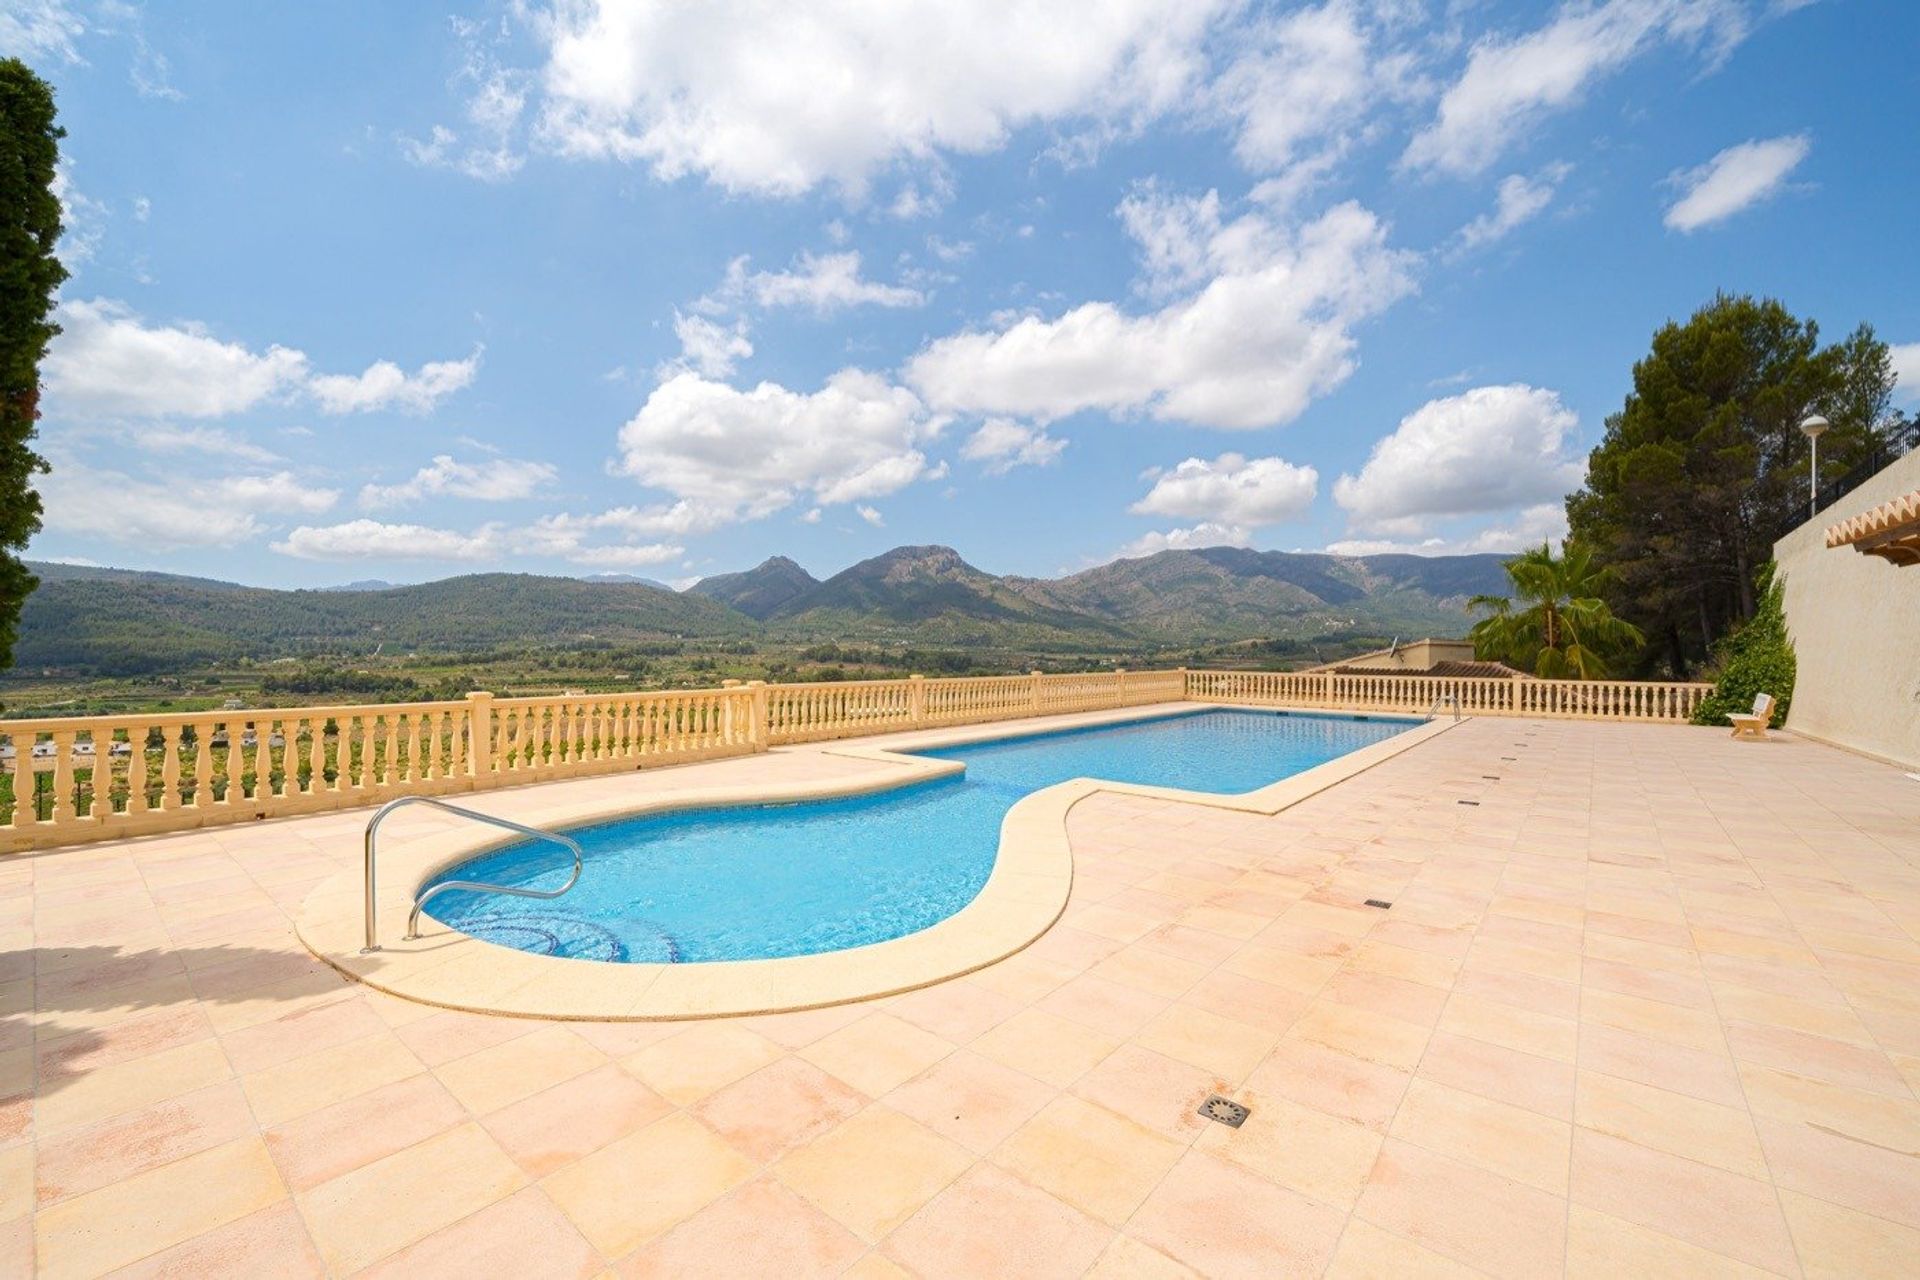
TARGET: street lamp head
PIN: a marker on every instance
(1813, 426)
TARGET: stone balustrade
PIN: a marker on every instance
(80, 779)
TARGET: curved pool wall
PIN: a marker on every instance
(771, 881)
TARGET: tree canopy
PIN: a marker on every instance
(1704, 466)
(29, 274)
(1556, 624)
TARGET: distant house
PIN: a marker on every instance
(1428, 657)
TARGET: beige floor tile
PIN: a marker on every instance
(648, 1182)
(1224, 1047)
(878, 1053)
(873, 1172)
(777, 1108)
(1522, 1030)
(1602, 1247)
(762, 1229)
(362, 1216)
(81, 1160)
(1670, 1122)
(1700, 1204)
(989, 1223)
(972, 1100)
(91, 1234)
(522, 1235)
(1127, 1259)
(1465, 1213)
(506, 1073)
(303, 1085)
(1505, 1075)
(337, 1139)
(1511, 1141)
(271, 1242)
(688, 1066)
(1220, 1219)
(1318, 1155)
(1389, 1041)
(1326, 1079)
(128, 1086)
(1101, 1163)
(1369, 1253)
(1050, 1049)
(1836, 1243)
(552, 1129)
(1845, 1170)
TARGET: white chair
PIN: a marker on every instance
(1754, 726)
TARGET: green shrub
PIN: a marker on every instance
(1756, 659)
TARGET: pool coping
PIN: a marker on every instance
(1025, 893)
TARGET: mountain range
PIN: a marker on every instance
(125, 622)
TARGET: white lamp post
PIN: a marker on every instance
(1813, 427)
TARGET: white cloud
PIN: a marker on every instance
(496, 99)
(162, 437)
(776, 99)
(385, 385)
(729, 454)
(168, 513)
(1545, 522)
(1270, 330)
(374, 540)
(626, 556)
(491, 480)
(562, 537)
(36, 30)
(708, 347)
(1906, 368)
(1735, 179)
(1206, 534)
(1520, 199)
(1302, 87)
(83, 220)
(1001, 444)
(1487, 449)
(824, 282)
(1510, 83)
(871, 515)
(1232, 490)
(108, 362)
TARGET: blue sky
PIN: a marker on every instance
(375, 290)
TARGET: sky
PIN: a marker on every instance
(378, 291)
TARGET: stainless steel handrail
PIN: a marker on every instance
(413, 919)
(1452, 698)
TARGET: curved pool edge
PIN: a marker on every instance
(1025, 893)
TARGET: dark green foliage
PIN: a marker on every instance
(1556, 625)
(1705, 466)
(29, 273)
(1756, 659)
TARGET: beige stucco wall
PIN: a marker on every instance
(1855, 623)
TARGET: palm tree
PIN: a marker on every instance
(1556, 625)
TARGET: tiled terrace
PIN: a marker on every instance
(1650, 1006)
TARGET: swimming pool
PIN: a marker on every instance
(761, 882)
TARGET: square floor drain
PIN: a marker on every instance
(1229, 1113)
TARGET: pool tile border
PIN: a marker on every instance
(1024, 894)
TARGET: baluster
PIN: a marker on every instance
(63, 775)
(390, 766)
(137, 801)
(26, 805)
(170, 767)
(101, 784)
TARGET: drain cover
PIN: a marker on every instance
(1471, 802)
(1227, 1112)
(1375, 902)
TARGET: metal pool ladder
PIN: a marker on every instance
(413, 919)
(1450, 698)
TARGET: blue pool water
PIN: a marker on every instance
(781, 880)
